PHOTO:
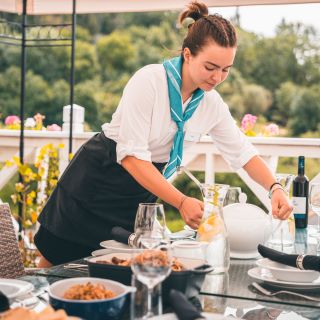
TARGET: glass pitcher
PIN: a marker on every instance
(283, 232)
(212, 230)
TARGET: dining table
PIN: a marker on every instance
(228, 294)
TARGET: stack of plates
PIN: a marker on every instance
(280, 275)
(13, 288)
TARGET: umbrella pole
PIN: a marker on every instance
(22, 99)
(72, 72)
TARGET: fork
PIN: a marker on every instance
(270, 294)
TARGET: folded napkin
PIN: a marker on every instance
(4, 303)
(120, 234)
(182, 307)
(307, 262)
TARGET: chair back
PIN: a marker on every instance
(11, 264)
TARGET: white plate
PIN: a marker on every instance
(209, 316)
(100, 252)
(244, 255)
(115, 245)
(266, 276)
(13, 288)
(286, 273)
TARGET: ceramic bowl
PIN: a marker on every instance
(112, 308)
(247, 226)
(286, 273)
(188, 249)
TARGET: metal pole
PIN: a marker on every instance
(73, 40)
(22, 97)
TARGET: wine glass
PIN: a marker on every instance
(152, 264)
(314, 201)
(150, 219)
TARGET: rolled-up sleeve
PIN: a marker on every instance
(135, 112)
(234, 146)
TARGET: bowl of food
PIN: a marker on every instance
(90, 298)
(187, 274)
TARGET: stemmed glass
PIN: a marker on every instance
(152, 264)
(314, 201)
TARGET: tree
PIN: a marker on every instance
(115, 54)
(154, 44)
(232, 92)
(60, 98)
(284, 98)
(38, 97)
(86, 63)
(10, 91)
(305, 111)
(85, 95)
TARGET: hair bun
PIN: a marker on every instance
(194, 10)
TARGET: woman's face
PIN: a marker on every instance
(210, 66)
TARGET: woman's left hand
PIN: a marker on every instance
(281, 208)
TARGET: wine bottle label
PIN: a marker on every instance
(299, 205)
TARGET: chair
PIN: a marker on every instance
(11, 265)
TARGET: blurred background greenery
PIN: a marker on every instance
(275, 78)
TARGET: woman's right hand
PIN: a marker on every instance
(191, 211)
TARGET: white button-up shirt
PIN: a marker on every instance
(142, 125)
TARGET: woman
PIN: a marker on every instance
(163, 109)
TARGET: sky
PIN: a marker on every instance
(264, 19)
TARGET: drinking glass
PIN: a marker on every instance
(283, 232)
(150, 219)
(152, 264)
(314, 201)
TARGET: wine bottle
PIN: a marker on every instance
(300, 196)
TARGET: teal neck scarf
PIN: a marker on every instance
(173, 69)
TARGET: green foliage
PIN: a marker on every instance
(256, 99)
(285, 96)
(85, 95)
(305, 111)
(115, 54)
(86, 62)
(268, 77)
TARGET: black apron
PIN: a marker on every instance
(93, 195)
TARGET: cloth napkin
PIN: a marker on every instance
(309, 262)
(183, 309)
(120, 234)
(4, 303)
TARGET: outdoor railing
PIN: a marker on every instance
(203, 156)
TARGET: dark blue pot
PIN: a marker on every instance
(91, 309)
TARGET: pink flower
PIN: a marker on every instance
(54, 127)
(248, 122)
(272, 129)
(11, 120)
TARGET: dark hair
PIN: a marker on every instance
(206, 27)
